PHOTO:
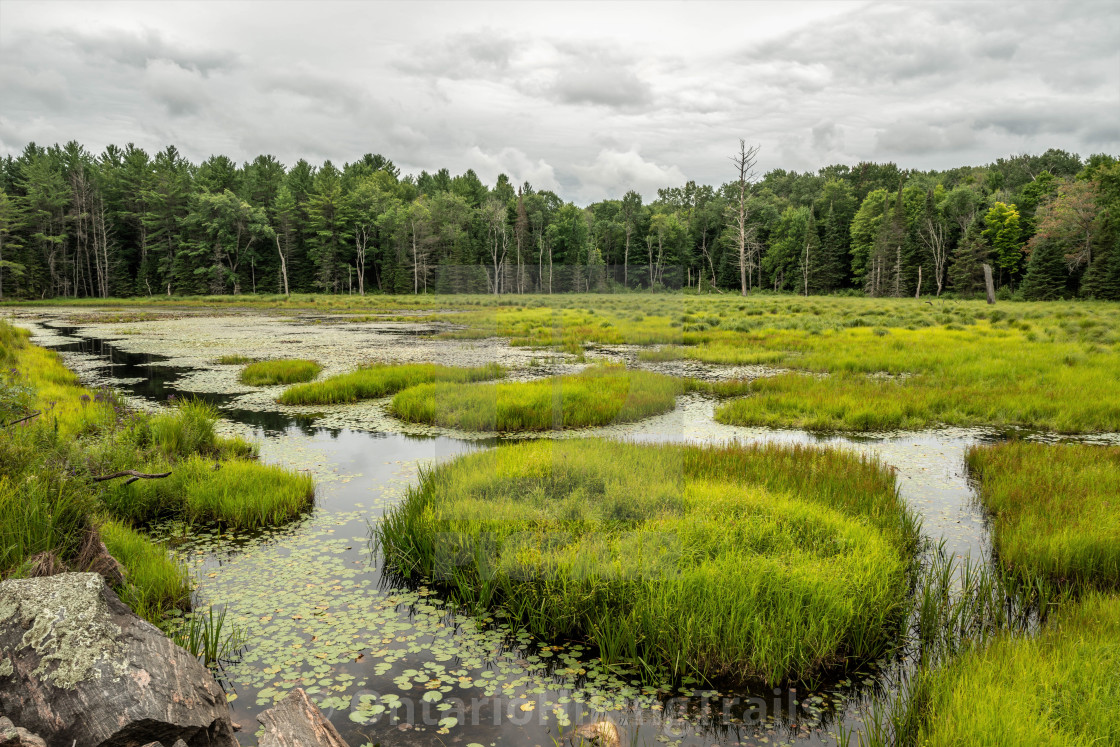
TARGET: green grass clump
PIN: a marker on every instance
(753, 562)
(155, 582)
(186, 429)
(1059, 688)
(234, 359)
(1054, 508)
(271, 373)
(238, 493)
(381, 380)
(600, 395)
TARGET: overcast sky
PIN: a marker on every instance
(588, 99)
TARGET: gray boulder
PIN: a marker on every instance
(80, 669)
(297, 722)
(16, 736)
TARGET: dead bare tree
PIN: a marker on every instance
(935, 235)
(497, 230)
(744, 162)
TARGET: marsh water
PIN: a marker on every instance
(397, 664)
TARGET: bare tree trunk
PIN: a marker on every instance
(898, 272)
(626, 258)
(283, 265)
(988, 285)
(415, 265)
(744, 162)
(918, 292)
(805, 265)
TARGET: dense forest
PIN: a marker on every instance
(128, 223)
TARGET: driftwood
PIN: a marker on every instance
(134, 476)
(14, 422)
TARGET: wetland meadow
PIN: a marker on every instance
(601, 519)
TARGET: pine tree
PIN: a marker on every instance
(966, 273)
(1046, 273)
(833, 248)
(1102, 281)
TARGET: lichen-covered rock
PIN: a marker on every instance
(16, 736)
(297, 722)
(78, 668)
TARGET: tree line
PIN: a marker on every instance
(126, 223)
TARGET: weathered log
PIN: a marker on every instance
(297, 722)
(134, 476)
(79, 669)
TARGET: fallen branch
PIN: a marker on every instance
(32, 415)
(134, 476)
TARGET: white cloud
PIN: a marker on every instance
(514, 164)
(614, 172)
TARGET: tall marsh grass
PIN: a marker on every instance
(1054, 508)
(236, 493)
(271, 373)
(1061, 687)
(599, 395)
(205, 635)
(746, 562)
(1045, 365)
(155, 581)
(380, 380)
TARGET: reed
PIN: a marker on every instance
(1061, 687)
(155, 582)
(236, 493)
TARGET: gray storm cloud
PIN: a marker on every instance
(587, 103)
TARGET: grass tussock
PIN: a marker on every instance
(599, 395)
(236, 493)
(746, 562)
(271, 373)
(381, 380)
(1059, 688)
(1054, 509)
